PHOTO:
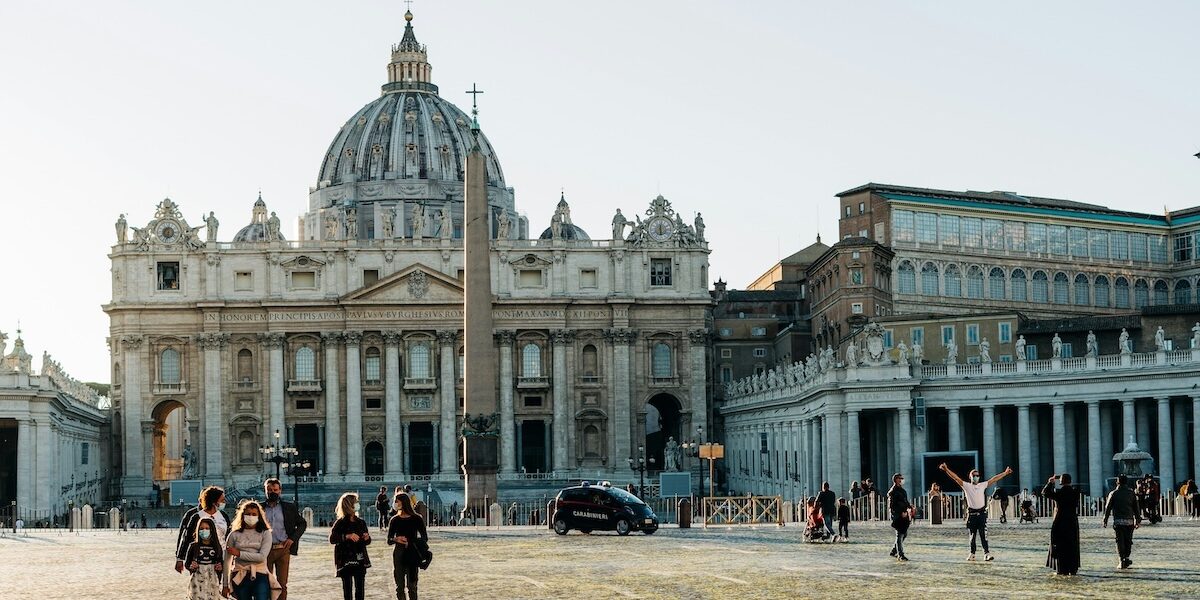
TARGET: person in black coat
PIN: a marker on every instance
(1064, 532)
(410, 541)
(901, 511)
(211, 506)
(350, 537)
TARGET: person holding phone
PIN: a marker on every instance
(1064, 531)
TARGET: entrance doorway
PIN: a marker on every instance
(8, 462)
(174, 456)
(420, 447)
(307, 440)
(373, 454)
(663, 420)
(533, 446)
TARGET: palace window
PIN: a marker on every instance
(847, 211)
(993, 234)
(1067, 350)
(660, 271)
(973, 334)
(1061, 289)
(903, 229)
(726, 353)
(168, 276)
(926, 228)
(371, 366)
(1058, 239)
(1082, 290)
(1036, 237)
(947, 334)
(1004, 333)
(1183, 292)
(1118, 242)
(1158, 249)
(948, 230)
(1121, 288)
(888, 336)
(929, 279)
(972, 232)
(168, 367)
(862, 207)
(726, 373)
(1138, 245)
(975, 282)
(856, 276)
(1014, 235)
(418, 361)
(758, 331)
(1141, 294)
(918, 335)
(531, 360)
(1183, 247)
(1079, 242)
(1160, 293)
(1100, 291)
(306, 364)
(907, 277)
(1017, 286)
(1099, 239)
(760, 353)
(856, 308)
(1041, 287)
(953, 282)
(661, 361)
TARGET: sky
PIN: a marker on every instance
(754, 113)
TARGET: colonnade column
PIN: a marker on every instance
(45, 496)
(1095, 466)
(1106, 443)
(954, 429)
(1060, 438)
(805, 456)
(560, 338)
(991, 458)
(354, 444)
(25, 463)
(1024, 452)
(1128, 422)
(1195, 436)
(1166, 458)
(904, 440)
(620, 340)
(332, 340)
(853, 449)
(818, 455)
(448, 436)
(508, 453)
(837, 450)
(274, 343)
(212, 343)
(391, 408)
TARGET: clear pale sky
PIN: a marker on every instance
(754, 113)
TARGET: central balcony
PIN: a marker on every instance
(533, 383)
(304, 385)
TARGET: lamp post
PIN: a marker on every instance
(70, 515)
(14, 516)
(639, 464)
(124, 514)
(692, 448)
(295, 470)
(278, 453)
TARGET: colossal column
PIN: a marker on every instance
(354, 444)
(991, 457)
(45, 496)
(1095, 466)
(508, 447)
(1060, 438)
(954, 420)
(560, 338)
(391, 408)
(853, 448)
(621, 339)
(1196, 436)
(26, 463)
(134, 463)
(214, 463)
(274, 343)
(904, 439)
(837, 451)
(448, 402)
(1166, 451)
(333, 404)
(1024, 452)
(697, 340)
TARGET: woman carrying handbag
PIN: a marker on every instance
(410, 541)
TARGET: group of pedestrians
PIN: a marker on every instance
(248, 556)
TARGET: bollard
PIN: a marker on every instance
(550, 506)
(114, 518)
(684, 511)
(495, 515)
(308, 515)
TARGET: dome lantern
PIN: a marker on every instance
(409, 68)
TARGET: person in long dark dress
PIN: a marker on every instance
(1064, 532)
(350, 537)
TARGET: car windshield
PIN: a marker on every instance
(625, 496)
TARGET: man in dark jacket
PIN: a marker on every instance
(827, 500)
(211, 506)
(383, 507)
(286, 528)
(1122, 506)
(901, 511)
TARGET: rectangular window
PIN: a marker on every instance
(888, 338)
(460, 274)
(372, 369)
(1058, 239)
(947, 334)
(83, 456)
(726, 373)
(1118, 242)
(948, 230)
(1006, 358)
(1099, 243)
(758, 331)
(306, 403)
(862, 207)
(973, 334)
(726, 332)
(760, 352)
(918, 336)
(1079, 242)
(847, 211)
(993, 234)
(972, 360)
(243, 281)
(1158, 249)
(856, 308)
(1005, 333)
(1014, 236)
(971, 232)
(168, 276)
(927, 228)
(660, 271)
(726, 353)
(1183, 247)
(1067, 352)
(903, 229)
(1031, 352)
(374, 403)
(1036, 237)
(370, 277)
(588, 278)
(762, 443)
(1138, 247)
(528, 278)
(533, 401)
(304, 280)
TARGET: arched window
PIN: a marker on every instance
(245, 365)
(306, 364)
(953, 282)
(1083, 290)
(418, 361)
(1141, 294)
(1041, 287)
(661, 361)
(1183, 292)
(1017, 286)
(996, 283)
(974, 282)
(1160, 293)
(1121, 289)
(929, 279)
(1101, 291)
(168, 366)
(907, 277)
(531, 360)
(371, 366)
(591, 363)
(1062, 286)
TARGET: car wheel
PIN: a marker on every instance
(649, 531)
(623, 527)
(560, 527)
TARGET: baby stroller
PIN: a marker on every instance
(814, 531)
(1027, 514)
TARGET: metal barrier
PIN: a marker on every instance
(743, 510)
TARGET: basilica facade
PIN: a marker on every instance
(347, 343)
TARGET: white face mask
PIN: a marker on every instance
(974, 479)
(221, 506)
(250, 520)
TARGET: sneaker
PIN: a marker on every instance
(971, 557)
(1128, 563)
(902, 558)
(988, 556)
(893, 552)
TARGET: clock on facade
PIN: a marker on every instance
(660, 229)
(167, 231)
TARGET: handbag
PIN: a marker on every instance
(424, 552)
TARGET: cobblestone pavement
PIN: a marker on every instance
(763, 562)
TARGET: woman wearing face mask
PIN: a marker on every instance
(246, 550)
(350, 537)
(212, 507)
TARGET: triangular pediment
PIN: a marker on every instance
(417, 284)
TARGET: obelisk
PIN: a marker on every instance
(480, 409)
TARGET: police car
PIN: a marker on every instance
(601, 507)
